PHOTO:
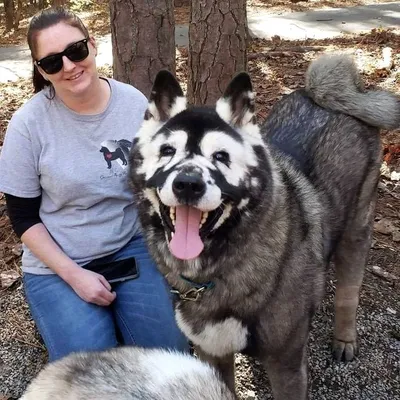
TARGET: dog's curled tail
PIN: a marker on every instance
(334, 82)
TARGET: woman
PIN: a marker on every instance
(64, 173)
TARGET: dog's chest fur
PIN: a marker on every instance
(217, 338)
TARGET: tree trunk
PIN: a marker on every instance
(18, 15)
(217, 47)
(143, 40)
(9, 13)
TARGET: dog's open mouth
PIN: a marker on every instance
(187, 227)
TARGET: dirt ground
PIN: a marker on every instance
(277, 67)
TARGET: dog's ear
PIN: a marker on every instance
(236, 106)
(166, 98)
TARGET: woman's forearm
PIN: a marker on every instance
(88, 285)
(42, 245)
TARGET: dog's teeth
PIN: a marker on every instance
(172, 215)
(225, 215)
(203, 218)
(172, 234)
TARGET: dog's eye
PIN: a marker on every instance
(167, 151)
(222, 156)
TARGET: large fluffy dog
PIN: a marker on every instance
(128, 373)
(243, 221)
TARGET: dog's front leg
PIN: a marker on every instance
(288, 375)
(225, 365)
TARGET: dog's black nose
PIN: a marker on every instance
(188, 186)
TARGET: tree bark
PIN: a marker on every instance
(9, 13)
(217, 47)
(18, 15)
(143, 40)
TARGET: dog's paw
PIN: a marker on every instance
(344, 351)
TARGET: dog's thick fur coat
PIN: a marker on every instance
(128, 373)
(246, 220)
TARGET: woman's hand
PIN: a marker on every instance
(91, 287)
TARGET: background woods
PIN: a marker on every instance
(14, 9)
(143, 39)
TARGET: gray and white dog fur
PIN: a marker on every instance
(128, 373)
(277, 204)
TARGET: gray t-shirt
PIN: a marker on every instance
(79, 165)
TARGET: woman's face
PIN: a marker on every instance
(74, 78)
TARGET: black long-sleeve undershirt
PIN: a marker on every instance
(23, 212)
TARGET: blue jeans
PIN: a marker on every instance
(142, 313)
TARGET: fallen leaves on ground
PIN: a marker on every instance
(8, 278)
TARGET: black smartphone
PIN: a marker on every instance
(117, 271)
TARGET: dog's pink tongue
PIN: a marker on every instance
(186, 243)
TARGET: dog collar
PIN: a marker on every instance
(196, 291)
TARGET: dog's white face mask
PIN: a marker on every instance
(197, 164)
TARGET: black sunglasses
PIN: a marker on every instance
(75, 52)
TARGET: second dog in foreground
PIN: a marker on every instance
(128, 373)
